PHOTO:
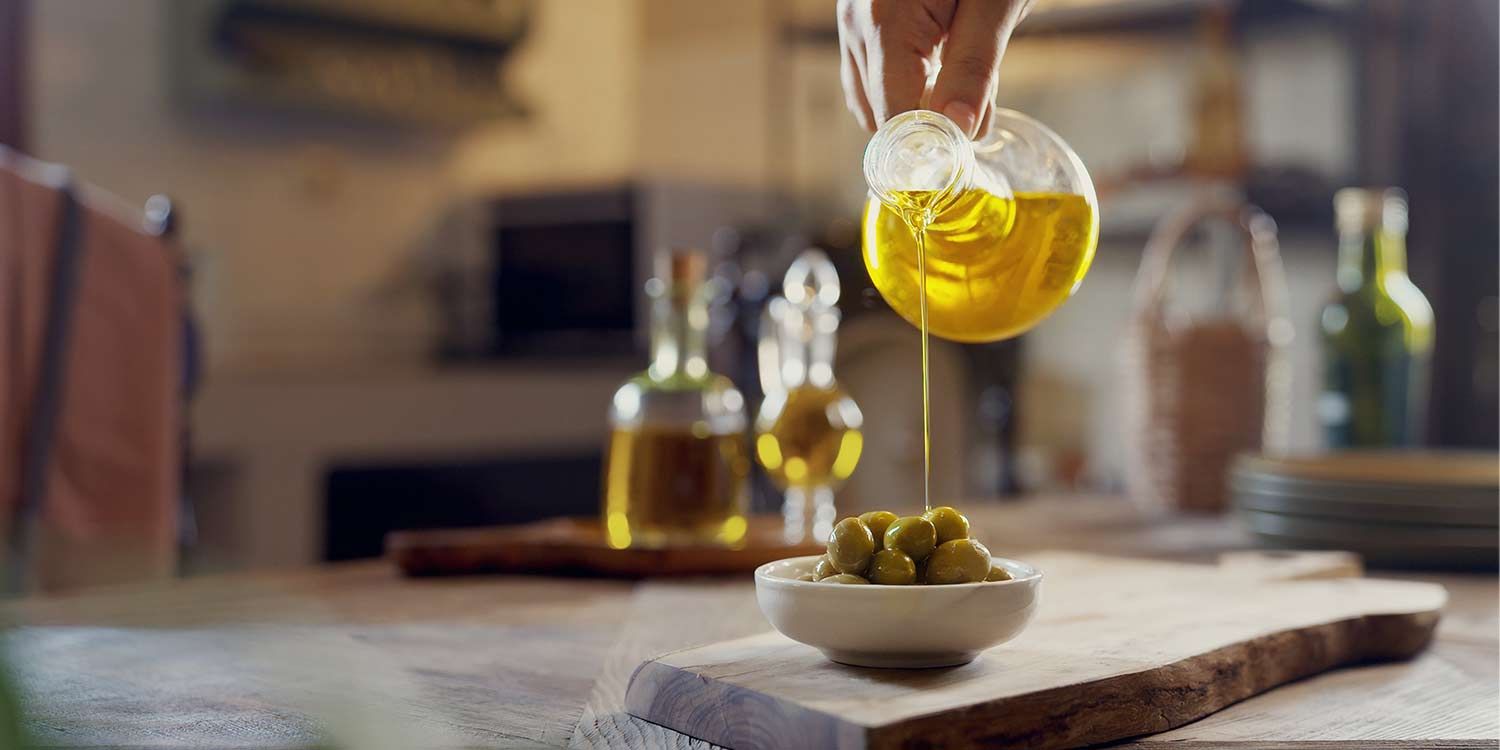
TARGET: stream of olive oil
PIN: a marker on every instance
(926, 378)
(987, 267)
(919, 232)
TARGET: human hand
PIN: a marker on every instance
(892, 47)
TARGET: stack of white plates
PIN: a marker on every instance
(1396, 509)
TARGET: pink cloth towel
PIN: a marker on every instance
(110, 508)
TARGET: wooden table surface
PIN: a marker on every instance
(360, 655)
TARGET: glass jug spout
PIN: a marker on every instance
(919, 162)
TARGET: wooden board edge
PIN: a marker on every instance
(1149, 744)
(552, 547)
(655, 689)
(625, 564)
(1174, 694)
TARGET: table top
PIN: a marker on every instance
(356, 653)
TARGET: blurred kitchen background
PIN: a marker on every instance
(418, 231)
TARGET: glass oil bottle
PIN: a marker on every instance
(808, 436)
(676, 468)
(1377, 330)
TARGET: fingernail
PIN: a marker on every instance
(962, 115)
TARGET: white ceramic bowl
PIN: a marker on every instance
(897, 626)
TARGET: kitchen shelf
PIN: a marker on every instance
(1128, 16)
(1117, 16)
(1300, 202)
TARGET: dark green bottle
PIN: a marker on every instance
(1377, 330)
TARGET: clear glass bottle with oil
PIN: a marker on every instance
(677, 466)
(974, 242)
(808, 434)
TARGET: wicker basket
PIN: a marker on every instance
(1199, 392)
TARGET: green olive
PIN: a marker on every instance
(807, 577)
(997, 573)
(824, 568)
(913, 535)
(958, 561)
(878, 521)
(847, 578)
(950, 524)
(850, 546)
(892, 568)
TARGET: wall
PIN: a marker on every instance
(299, 225)
(297, 222)
(1122, 102)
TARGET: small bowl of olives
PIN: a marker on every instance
(896, 592)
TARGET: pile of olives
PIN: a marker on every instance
(877, 547)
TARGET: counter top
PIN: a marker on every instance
(357, 653)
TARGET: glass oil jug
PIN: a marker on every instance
(1000, 232)
(974, 242)
(807, 435)
(676, 468)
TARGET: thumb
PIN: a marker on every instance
(971, 59)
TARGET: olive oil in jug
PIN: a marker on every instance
(996, 266)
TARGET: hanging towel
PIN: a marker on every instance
(91, 311)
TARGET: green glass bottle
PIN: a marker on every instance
(1377, 330)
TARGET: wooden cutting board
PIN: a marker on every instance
(1119, 648)
(577, 546)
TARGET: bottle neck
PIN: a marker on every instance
(1368, 255)
(821, 350)
(679, 328)
(917, 163)
(802, 345)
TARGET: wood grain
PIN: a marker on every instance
(578, 546)
(656, 624)
(353, 655)
(292, 658)
(1120, 649)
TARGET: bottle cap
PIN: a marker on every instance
(811, 280)
(682, 266)
(917, 151)
(1366, 209)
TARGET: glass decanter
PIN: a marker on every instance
(1010, 223)
(676, 469)
(808, 435)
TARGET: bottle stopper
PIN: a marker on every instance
(811, 280)
(1368, 209)
(682, 266)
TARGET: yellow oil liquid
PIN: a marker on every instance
(808, 437)
(671, 487)
(918, 223)
(995, 266)
(981, 268)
